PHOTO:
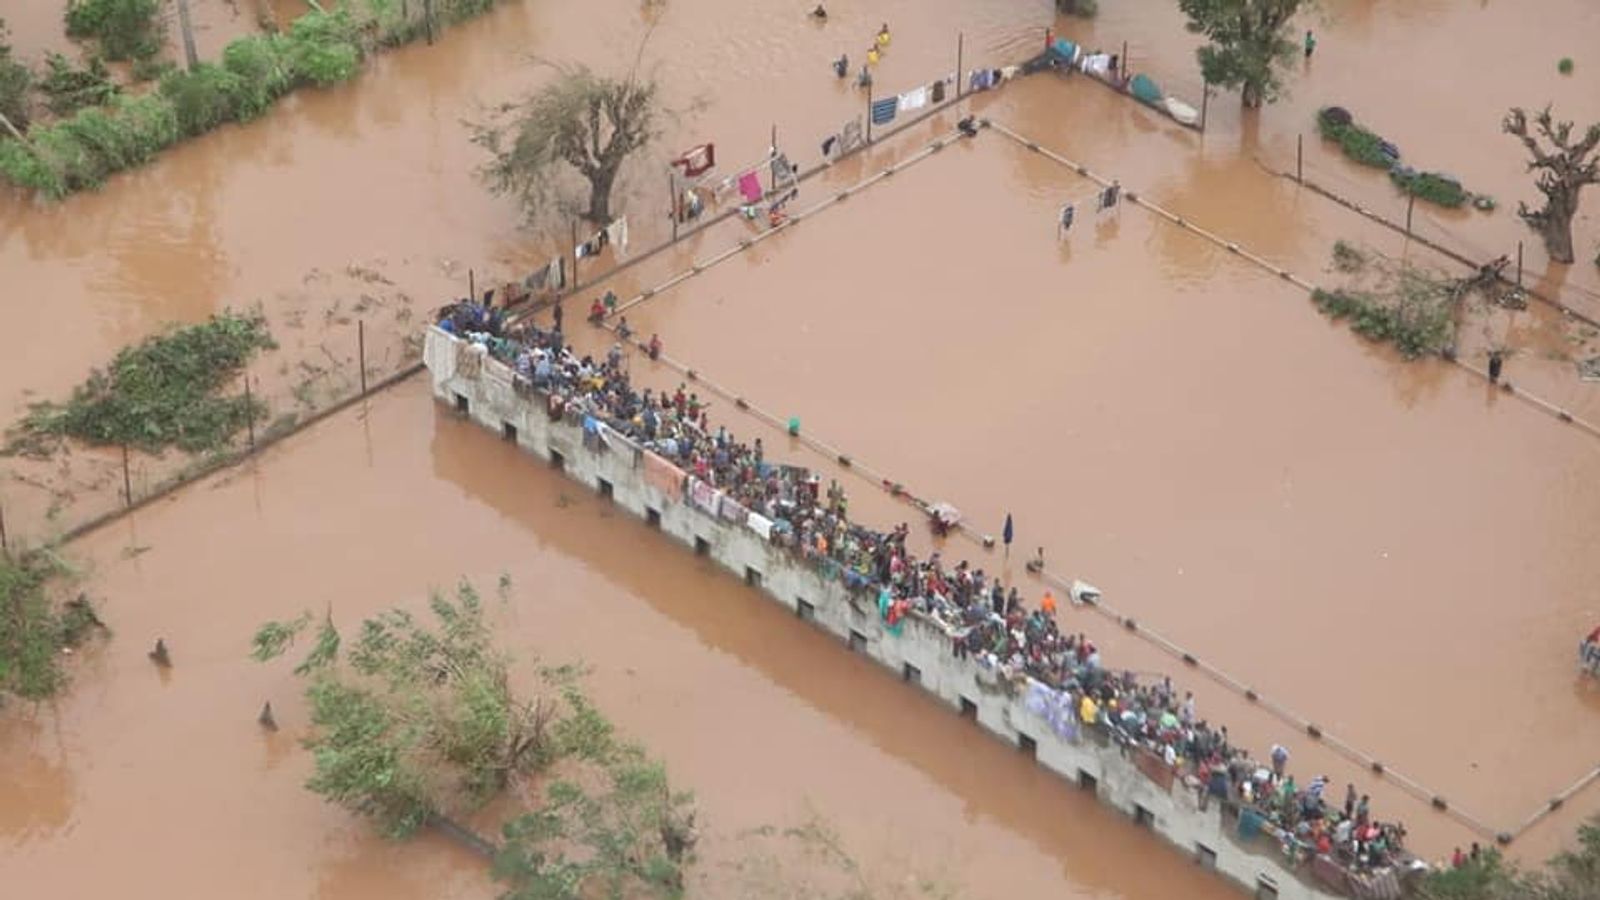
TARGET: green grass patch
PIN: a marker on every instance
(1565, 66)
(166, 391)
(34, 629)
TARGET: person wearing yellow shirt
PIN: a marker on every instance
(872, 56)
(1088, 710)
(883, 37)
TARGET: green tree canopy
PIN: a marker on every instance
(1249, 43)
(410, 719)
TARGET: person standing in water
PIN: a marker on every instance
(1311, 43)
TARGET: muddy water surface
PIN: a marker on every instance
(167, 779)
(1111, 390)
(1230, 468)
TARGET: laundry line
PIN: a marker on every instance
(747, 242)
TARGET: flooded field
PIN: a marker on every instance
(168, 779)
(1365, 501)
(1393, 549)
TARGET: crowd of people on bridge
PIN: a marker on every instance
(988, 621)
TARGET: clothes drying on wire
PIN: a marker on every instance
(913, 99)
(750, 187)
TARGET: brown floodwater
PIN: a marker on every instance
(1391, 549)
(167, 780)
(1179, 428)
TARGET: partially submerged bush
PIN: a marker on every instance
(165, 391)
(1417, 318)
(35, 629)
(1347, 257)
(126, 29)
(1358, 143)
(320, 48)
(82, 151)
(1565, 66)
(1431, 186)
(15, 82)
(70, 88)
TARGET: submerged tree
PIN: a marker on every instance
(15, 81)
(1249, 43)
(34, 628)
(1563, 169)
(614, 826)
(413, 721)
(582, 121)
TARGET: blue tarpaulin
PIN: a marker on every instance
(1064, 48)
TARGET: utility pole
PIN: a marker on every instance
(189, 53)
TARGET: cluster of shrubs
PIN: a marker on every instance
(1370, 149)
(82, 150)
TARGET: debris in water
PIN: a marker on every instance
(159, 655)
(266, 719)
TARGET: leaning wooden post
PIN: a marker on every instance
(672, 200)
(869, 112)
(1300, 158)
(960, 41)
(1411, 202)
(575, 256)
(127, 480)
(1519, 264)
(1205, 98)
(361, 352)
(5, 545)
(249, 412)
(472, 286)
(189, 53)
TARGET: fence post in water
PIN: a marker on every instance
(960, 40)
(869, 112)
(1411, 202)
(1300, 158)
(5, 546)
(1122, 63)
(1519, 264)
(191, 56)
(574, 256)
(127, 480)
(672, 200)
(427, 19)
(1205, 97)
(472, 286)
(249, 412)
(361, 352)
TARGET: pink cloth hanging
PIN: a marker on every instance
(750, 187)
